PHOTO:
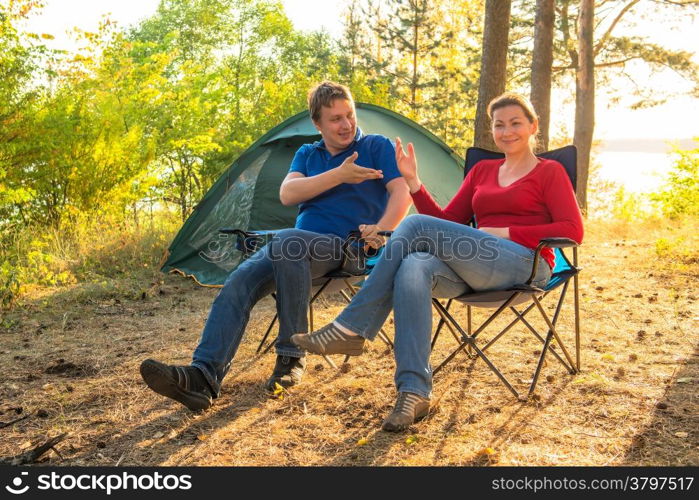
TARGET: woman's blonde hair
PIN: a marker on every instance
(513, 99)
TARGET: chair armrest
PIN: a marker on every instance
(557, 243)
(549, 243)
(228, 230)
(247, 242)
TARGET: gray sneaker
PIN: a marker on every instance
(329, 340)
(409, 409)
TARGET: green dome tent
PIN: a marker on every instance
(246, 196)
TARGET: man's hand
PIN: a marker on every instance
(500, 232)
(351, 173)
(370, 236)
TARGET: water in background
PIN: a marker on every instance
(636, 172)
(625, 172)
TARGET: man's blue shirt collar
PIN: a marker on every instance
(357, 136)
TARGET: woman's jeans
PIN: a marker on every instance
(429, 257)
(288, 264)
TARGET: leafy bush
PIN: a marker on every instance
(680, 194)
(87, 251)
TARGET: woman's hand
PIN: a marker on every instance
(407, 165)
(499, 232)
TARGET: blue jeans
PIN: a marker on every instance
(427, 257)
(288, 264)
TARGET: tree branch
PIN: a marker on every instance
(33, 455)
(679, 2)
(600, 65)
(616, 20)
(11, 422)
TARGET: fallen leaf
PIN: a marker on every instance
(411, 440)
(158, 435)
(362, 442)
(608, 357)
(486, 451)
(279, 390)
(681, 434)
(685, 380)
(202, 437)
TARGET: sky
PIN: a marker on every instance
(676, 119)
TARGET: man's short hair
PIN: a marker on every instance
(324, 94)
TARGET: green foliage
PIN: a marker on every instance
(680, 194)
(419, 57)
(627, 206)
(92, 250)
(679, 250)
(153, 114)
(9, 285)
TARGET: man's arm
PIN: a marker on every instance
(399, 201)
(297, 188)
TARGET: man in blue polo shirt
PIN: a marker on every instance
(346, 181)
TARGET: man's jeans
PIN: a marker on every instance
(427, 257)
(287, 264)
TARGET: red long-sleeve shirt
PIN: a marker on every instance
(540, 205)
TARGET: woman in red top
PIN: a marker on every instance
(516, 202)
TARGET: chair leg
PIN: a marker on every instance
(547, 344)
(552, 329)
(311, 317)
(449, 321)
(469, 325)
(442, 323)
(269, 329)
(576, 302)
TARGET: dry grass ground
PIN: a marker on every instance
(70, 360)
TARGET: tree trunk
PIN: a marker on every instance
(542, 63)
(584, 97)
(493, 67)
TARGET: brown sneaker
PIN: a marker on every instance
(329, 340)
(409, 409)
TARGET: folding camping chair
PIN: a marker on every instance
(507, 299)
(344, 282)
